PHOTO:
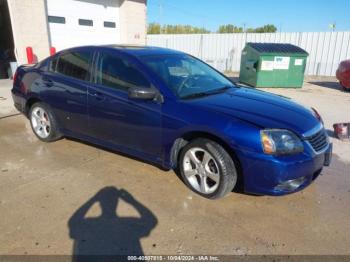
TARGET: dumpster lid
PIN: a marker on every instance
(277, 48)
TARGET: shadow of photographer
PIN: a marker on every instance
(110, 234)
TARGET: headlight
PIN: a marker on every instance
(280, 142)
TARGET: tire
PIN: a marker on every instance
(43, 123)
(346, 89)
(207, 169)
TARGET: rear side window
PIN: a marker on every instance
(75, 65)
(119, 73)
(53, 64)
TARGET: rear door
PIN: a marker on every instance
(114, 118)
(65, 89)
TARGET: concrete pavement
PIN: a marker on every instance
(68, 197)
(6, 103)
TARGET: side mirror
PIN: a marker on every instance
(144, 93)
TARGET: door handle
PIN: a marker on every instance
(47, 82)
(98, 96)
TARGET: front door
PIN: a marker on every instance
(133, 125)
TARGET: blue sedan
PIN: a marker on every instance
(171, 109)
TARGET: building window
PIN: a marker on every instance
(86, 22)
(56, 19)
(109, 24)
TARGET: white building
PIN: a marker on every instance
(42, 24)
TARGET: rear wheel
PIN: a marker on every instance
(43, 123)
(207, 169)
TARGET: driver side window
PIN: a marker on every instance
(118, 73)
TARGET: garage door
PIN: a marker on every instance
(83, 22)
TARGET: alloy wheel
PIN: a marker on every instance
(201, 170)
(40, 122)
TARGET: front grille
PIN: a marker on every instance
(318, 141)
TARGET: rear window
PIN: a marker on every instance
(74, 64)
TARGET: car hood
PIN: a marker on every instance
(260, 108)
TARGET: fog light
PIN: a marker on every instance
(290, 185)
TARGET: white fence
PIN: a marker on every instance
(223, 51)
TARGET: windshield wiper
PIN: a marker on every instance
(207, 93)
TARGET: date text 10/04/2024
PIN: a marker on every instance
(173, 258)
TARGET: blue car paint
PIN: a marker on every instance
(111, 110)
(149, 129)
(67, 96)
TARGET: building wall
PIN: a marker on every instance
(29, 27)
(70, 33)
(133, 15)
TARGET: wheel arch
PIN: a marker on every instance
(180, 142)
(30, 102)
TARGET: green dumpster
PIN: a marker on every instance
(272, 65)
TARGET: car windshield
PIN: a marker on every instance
(188, 77)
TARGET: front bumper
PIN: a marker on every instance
(269, 175)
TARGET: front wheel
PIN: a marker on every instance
(207, 169)
(43, 123)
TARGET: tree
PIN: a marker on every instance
(250, 30)
(153, 28)
(234, 29)
(264, 29)
(229, 28)
(156, 28)
(183, 29)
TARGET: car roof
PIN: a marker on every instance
(144, 50)
(133, 50)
